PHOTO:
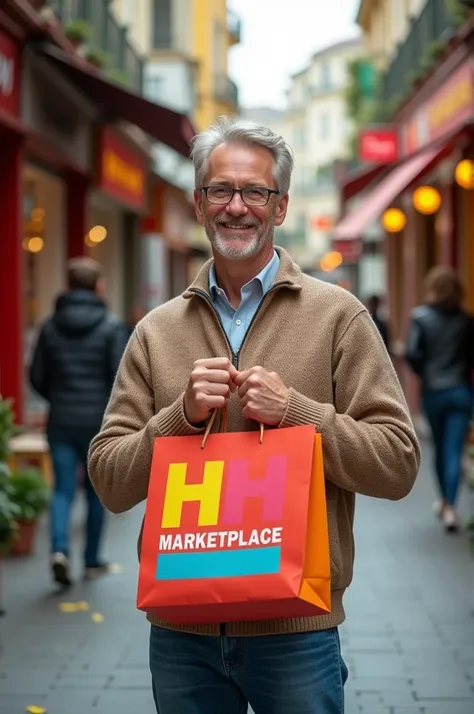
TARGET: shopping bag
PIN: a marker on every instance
(237, 530)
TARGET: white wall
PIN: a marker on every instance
(170, 81)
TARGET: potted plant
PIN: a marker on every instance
(78, 32)
(30, 493)
(97, 58)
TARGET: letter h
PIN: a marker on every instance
(207, 493)
(240, 487)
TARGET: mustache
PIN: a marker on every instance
(242, 222)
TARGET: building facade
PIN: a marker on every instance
(422, 198)
(75, 179)
(315, 125)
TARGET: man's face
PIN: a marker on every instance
(236, 230)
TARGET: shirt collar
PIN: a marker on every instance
(266, 276)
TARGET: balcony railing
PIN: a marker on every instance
(435, 24)
(234, 27)
(106, 34)
(226, 91)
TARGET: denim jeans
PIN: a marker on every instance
(66, 456)
(448, 412)
(275, 674)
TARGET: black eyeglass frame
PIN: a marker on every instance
(269, 191)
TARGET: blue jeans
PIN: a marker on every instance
(448, 412)
(66, 456)
(275, 674)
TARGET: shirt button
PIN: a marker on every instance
(238, 322)
(218, 292)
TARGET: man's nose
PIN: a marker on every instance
(236, 207)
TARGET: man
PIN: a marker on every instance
(280, 348)
(73, 368)
(373, 306)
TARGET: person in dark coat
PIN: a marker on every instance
(440, 351)
(373, 306)
(73, 368)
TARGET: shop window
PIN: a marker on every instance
(162, 35)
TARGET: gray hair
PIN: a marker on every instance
(236, 131)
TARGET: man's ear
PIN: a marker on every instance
(198, 206)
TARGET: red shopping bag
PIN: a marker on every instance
(236, 530)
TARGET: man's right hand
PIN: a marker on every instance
(209, 387)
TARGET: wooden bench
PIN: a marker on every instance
(31, 448)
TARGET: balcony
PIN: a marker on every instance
(225, 90)
(428, 33)
(234, 28)
(107, 35)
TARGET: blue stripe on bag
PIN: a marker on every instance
(220, 564)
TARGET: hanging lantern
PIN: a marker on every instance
(464, 174)
(426, 200)
(331, 261)
(394, 220)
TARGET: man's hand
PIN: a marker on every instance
(209, 386)
(264, 395)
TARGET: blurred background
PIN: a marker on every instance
(99, 100)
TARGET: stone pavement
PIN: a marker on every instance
(408, 639)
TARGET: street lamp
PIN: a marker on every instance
(426, 200)
(464, 174)
(394, 220)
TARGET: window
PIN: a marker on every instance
(299, 136)
(162, 36)
(325, 76)
(324, 126)
(153, 87)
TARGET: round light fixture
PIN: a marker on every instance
(464, 174)
(35, 244)
(394, 220)
(331, 261)
(97, 234)
(426, 200)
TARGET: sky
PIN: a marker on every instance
(278, 39)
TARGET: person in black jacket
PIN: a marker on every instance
(440, 350)
(74, 364)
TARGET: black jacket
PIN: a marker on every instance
(75, 361)
(440, 347)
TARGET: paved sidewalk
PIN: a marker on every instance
(408, 641)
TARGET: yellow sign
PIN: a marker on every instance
(451, 102)
(122, 174)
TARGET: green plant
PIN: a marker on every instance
(119, 76)
(9, 510)
(30, 493)
(98, 58)
(459, 13)
(78, 31)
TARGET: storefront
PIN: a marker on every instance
(11, 153)
(423, 201)
(119, 199)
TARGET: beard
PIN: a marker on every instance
(254, 237)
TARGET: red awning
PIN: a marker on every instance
(165, 125)
(358, 180)
(353, 225)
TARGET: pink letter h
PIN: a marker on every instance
(240, 487)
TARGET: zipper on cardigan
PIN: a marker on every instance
(235, 358)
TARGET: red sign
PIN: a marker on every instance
(122, 171)
(449, 107)
(351, 250)
(379, 146)
(9, 75)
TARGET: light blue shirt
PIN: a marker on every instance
(236, 322)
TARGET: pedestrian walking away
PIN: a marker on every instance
(440, 350)
(279, 348)
(73, 367)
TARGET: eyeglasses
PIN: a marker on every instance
(251, 196)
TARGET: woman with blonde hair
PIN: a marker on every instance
(440, 350)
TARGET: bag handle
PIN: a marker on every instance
(223, 426)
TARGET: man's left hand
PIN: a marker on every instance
(264, 395)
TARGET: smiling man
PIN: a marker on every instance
(280, 348)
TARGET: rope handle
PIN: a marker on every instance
(223, 425)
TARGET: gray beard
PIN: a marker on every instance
(262, 237)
